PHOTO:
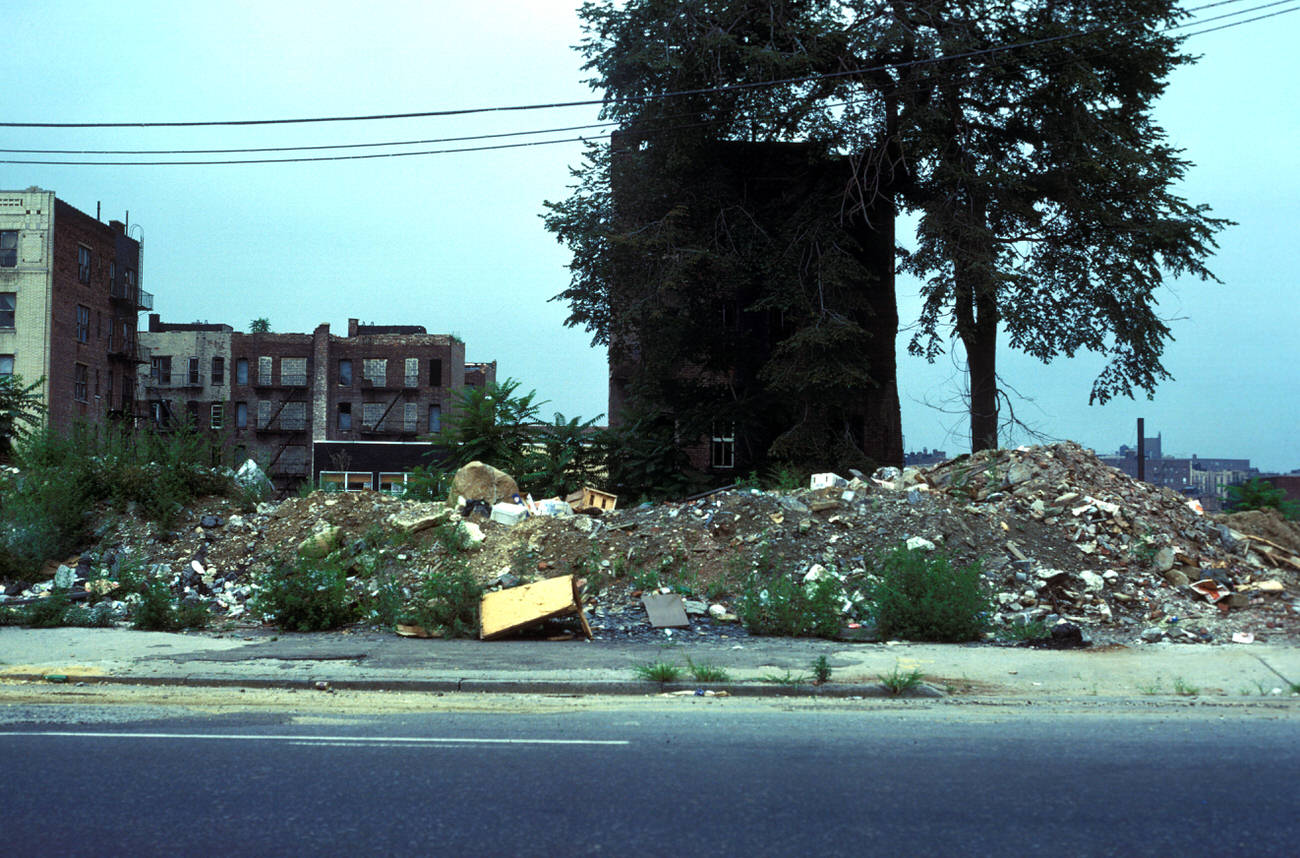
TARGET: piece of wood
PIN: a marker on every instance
(666, 610)
(505, 611)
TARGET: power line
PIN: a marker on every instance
(590, 102)
(526, 144)
(314, 148)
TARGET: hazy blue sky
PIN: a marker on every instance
(455, 242)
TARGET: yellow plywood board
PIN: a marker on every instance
(505, 611)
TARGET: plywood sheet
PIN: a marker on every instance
(505, 611)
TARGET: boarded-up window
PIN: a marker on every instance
(375, 371)
(293, 460)
(293, 416)
(412, 372)
(370, 414)
(264, 364)
(263, 413)
(293, 372)
(411, 417)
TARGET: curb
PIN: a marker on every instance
(572, 688)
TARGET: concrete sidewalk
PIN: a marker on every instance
(374, 660)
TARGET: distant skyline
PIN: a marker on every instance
(455, 241)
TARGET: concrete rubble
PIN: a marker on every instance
(1061, 538)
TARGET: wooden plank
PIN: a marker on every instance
(582, 615)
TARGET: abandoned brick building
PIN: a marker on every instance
(276, 396)
(738, 205)
(69, 298)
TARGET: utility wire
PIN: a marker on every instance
(580, 139)
(591, 102)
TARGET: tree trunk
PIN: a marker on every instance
(977, 325)
(981, 360)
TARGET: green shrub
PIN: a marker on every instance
(45, 512)
(918, 595)
(156, 610)
(309, 596)
(1260, 494)
(54, 611)
(448, 601)
(780, 606)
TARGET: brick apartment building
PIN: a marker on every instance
(69, 301)
(368, 398)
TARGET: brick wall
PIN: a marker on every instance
(107, 348)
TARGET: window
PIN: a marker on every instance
(6, 366)
(392, 482)
(160, 368)
(293, 372)
(80, 382)
(241, 415)
(412, 373)
(83, 264)
(293, 416)
(345, 416)
(109, 389)
(722, 450)
(241, 371)
(435, 418)
(96, 384)
(112, 276)
(83, 324)
(218, 370)
(375, 371)
(411, 417)
(345, 481)
(192, 414)
(345, 372)
(99, 325)
(218, 415)
(192, 373)
(8, 305)
(264, 364)
(370, 414)
(8, 248)
(435, 373)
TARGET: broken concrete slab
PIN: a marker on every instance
(666, 610)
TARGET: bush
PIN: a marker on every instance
(54, 611)
(919, 596)
(1260, 494)
(780, 606)
(156, 611)
(44, 512)
(447, 602)
(309, 596)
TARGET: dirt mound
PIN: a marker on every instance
(1058, 534)
(1267, 523)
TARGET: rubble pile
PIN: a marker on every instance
(1143, 555)
(1059, 535)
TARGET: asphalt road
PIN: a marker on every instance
(651, 777)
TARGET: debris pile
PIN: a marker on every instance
(1061, 538)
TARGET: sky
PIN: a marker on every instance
(455, 242)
